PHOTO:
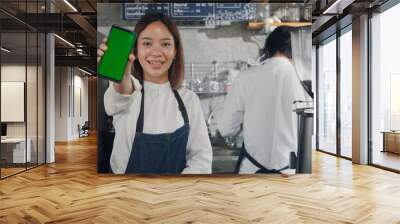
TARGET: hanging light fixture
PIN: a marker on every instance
(65, 41)
(84, 71)
(5, 50)
(70, 5)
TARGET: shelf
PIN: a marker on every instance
(203, 95)
(260, 25)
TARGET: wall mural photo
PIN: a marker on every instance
(204, 88)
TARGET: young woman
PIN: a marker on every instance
(159, 126)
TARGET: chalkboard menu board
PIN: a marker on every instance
(193, 11)
(133, 11)
(229, 6)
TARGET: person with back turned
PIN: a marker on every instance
(261, 99)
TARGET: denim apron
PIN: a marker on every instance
(261, 169)
(163, 153)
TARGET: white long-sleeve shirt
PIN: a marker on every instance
(262, 99)
(161, 115)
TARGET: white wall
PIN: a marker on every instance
(13, 72)
(16, 73)
(81, 83)
(68, 82)
(61, 103)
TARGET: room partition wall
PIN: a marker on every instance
(22, 77)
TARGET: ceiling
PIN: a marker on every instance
(329, 16)
(77, 26)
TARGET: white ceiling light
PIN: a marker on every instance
(70, 5)
(80, 51)
(338, 6)
(65, 41)
(86, 72)
(5, 50)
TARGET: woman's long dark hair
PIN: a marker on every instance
(278, 41)
(176, 71)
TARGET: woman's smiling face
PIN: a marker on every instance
(156, 52)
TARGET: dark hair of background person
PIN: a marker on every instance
(278, 41)
(176, 71)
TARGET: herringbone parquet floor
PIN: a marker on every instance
(71, 191)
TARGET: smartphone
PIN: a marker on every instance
(120, 42)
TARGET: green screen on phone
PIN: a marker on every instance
(119, 45)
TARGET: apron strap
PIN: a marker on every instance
(244, 154)
(182, 109)
(140, 120)
(252, 160)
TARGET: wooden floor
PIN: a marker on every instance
(10, 171)
(387, 159)
(71, 191)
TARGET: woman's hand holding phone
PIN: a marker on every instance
(126, 85)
